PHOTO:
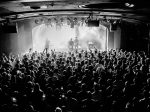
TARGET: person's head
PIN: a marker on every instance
(83, 87)
(30, 108)
(57, 92)
(148, 81)
(58, 109)
(89, 95)
(96, 87)
(37, 87)
(49, 90)
(15, 108)
(69, 93)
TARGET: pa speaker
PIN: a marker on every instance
(9, 28)
(93, 23)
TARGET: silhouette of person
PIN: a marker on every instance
(71, 44)
(47, 42)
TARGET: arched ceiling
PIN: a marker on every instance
(129, 10)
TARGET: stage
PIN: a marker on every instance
(59, 37)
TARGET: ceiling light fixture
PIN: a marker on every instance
(129, 5)
(26, 7)
(81, 6)
(43, 7)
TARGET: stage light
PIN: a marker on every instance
(81, 6)
(132, 5)
(55, 20)
(61, 20)
(68, 21)
(115, 22)
(129, 5)
(108, 20)
(43, 7)
(42, 20)
(75, 21)
(47, 21)
(26, 7)
(37, 21)
(72, 24)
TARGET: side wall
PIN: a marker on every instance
(129, 36)
(19, 42)
(114, 39)
(134, 37)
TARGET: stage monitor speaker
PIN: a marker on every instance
(113, 27)
(9, 28)
(93, 23)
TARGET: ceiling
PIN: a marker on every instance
(129, 10)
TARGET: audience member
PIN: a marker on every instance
(83, 81)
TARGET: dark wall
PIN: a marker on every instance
(129, 36)
(134, 36)
(8, 42)
(17, 43)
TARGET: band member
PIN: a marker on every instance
(71, 44)
(90, 45)
(46, 46)
(76, 43)
(30, 50)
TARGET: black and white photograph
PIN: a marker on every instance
(75, 56)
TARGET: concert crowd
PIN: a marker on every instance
(83, 81)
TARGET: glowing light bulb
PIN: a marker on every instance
(14, 99)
